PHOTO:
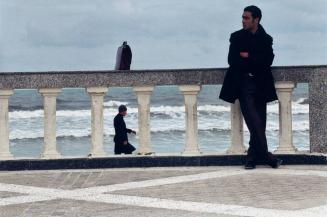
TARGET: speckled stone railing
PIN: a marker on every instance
(143, 81)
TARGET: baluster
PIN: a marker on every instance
(97, 94)
(49, 104)
(4, 124)
(237, 135)
(284, 91)
(190, 93)
(143, 99)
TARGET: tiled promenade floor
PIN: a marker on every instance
(291, 191)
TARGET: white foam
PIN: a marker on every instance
(113, 103)
(297, 108)
(26, 114)
(76, 123)
(157, 126)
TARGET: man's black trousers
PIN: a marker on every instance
(255, 115)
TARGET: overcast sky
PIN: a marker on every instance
(41, 35)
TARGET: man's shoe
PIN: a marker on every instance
(276, 163)
(249, 165)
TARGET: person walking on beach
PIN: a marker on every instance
(250, 80)
(121, 140)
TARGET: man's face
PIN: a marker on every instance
(248, 21)
(124, 113)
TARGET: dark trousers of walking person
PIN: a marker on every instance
(122, 148)
(255, 114)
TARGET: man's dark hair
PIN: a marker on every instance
(122, 108)
(255, 11)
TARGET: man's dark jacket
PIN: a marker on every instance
(259, 47)
(120, 129)
(123, 58)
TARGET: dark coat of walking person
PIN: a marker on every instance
(249, 79)
(122, 146)
(123, 57)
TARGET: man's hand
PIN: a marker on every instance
(125, 142)
(244, 54)
(134, 132)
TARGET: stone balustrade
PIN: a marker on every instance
(143, 99)
(143, 82)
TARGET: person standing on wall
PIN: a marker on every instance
(123, 57)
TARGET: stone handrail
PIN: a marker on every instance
(111, 78)
(96, 83)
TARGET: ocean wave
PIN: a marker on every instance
(303, 101)
(297, 108)
(156, 127)
(113, 103)
(38, 133)
(31, 108)
(111, 135)
(110, 109)
(24, 107)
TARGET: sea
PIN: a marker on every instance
(167, 121)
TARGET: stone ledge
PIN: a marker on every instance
(132, 78)
(150, 161)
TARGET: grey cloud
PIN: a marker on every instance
(83, 34)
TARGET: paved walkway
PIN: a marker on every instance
(291, 191)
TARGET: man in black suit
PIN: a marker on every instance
(121, 140)
(250, 80)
